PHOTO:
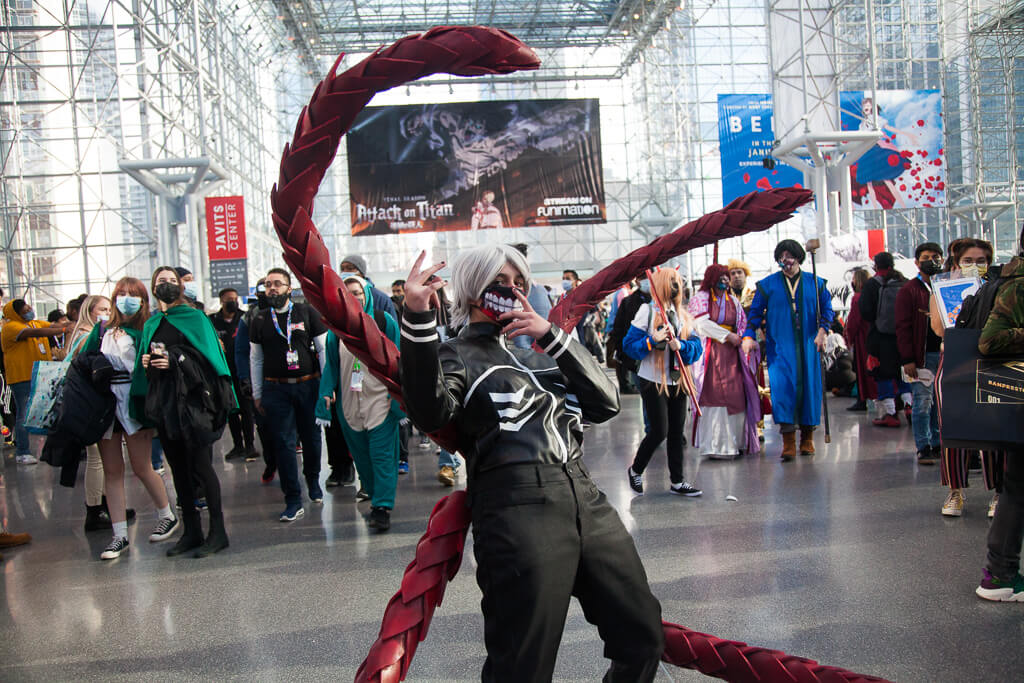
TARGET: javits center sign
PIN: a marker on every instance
(475, 165)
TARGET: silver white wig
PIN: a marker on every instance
(474, 270)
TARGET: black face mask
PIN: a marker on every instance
(167, 292)
(674, 290)
(930, 267)
(496, 300)
(261, 300)
(398, 299)
(277, 300)
(231, 307)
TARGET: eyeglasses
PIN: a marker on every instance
(275, 283)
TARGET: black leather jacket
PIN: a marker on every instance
(509, 405)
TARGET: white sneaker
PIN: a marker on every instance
(25, 459)
(992, 505)
(954, 505)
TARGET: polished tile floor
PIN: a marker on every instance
(843, 558)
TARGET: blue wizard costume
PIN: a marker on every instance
(784, 304)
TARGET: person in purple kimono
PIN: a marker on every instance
(724, 376)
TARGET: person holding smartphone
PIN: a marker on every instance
(120, 342)
(170, 331)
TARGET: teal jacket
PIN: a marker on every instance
(331, 378)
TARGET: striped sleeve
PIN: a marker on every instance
(554, 343)
(419, 326)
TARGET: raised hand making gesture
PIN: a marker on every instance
(421, 285)
(526, 321)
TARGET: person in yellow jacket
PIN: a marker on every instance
(24, 340)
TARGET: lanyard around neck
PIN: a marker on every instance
(287, 324)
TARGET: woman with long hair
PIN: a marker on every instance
(856, 334)
(726, 388)
(95, 310)
(119, 343)
(968, 257)
(177, 325)
(663, 397)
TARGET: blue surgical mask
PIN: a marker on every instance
(721, 286)
(645, 286)
(103, 318)
(567, 285)
(28, 316)
(192, 290)
(128, 304)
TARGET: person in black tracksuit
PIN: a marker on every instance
(542, 530)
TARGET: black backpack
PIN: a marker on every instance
(976, 308)
(885, 319)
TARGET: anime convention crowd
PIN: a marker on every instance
(146, 376)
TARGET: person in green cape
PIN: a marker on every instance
(178, 324)
(369, 415)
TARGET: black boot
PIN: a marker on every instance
(96, 518)
(192, 537)
(129, 513)
(216, 541)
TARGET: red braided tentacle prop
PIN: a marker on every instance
(751, 213)
(407, 617)
(732, 660)
(471, 51)
(461, 51)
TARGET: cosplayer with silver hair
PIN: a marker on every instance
(543, 532)
(475, 272)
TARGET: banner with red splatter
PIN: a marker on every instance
(906, 168)
(745, 138)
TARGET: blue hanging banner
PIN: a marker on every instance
(745, 139)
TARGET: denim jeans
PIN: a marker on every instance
(924, 413)
(156, 456)
(449, 459)
(289, 416)
(22, 392)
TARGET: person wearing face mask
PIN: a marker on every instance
(967, 257)
(287, 359)
(226, 322)
(119, 342)
(878, 308)
(24, 340)
(542, 530)
(726, 388)
(628, 307)
(183, 354)
(797, 326)
(257, 303)
(94, 311)
(188, 281)
(919, 349)
(658, 378)
(369, 417)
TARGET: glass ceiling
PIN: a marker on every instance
(328, 27)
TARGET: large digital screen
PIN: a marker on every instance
(475, 166)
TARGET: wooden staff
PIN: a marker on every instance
(684, 371)
(812, 246)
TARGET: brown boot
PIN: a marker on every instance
(788, 446)
(807, 442)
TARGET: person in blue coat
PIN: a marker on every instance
(795, 330)
(659, 378)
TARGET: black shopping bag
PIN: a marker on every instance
(982, 396)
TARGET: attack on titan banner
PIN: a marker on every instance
(475, 166)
